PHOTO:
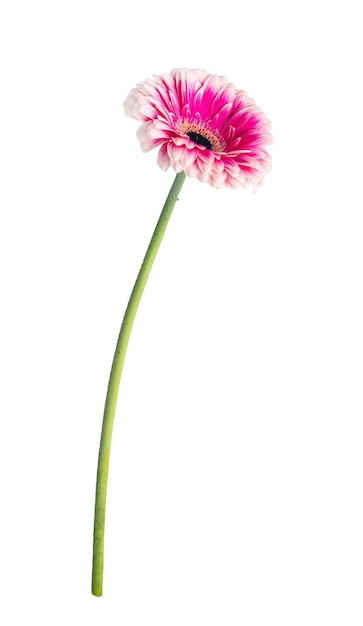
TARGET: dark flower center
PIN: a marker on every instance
(200, 140)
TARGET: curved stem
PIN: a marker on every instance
(114, 383)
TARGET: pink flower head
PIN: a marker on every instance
(203, 126)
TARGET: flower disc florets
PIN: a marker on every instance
(203, 126)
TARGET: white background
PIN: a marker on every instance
(236, 482)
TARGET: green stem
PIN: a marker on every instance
(114, 383)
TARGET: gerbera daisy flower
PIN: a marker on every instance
(203, 126)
